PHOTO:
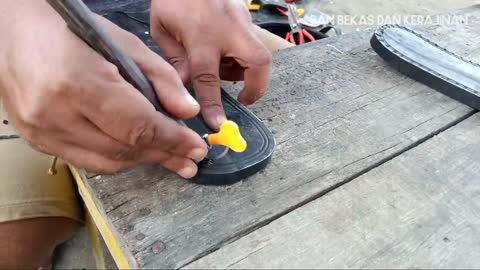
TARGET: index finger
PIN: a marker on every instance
(120, 111)
(204, 61)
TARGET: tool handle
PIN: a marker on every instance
(80, 19)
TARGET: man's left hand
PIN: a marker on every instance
(209, 40)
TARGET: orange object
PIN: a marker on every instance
(301, 37)
(229, 136)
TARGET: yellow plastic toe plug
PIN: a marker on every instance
(229, 136)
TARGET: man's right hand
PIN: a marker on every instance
(67, 101)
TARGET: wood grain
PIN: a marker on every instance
(337, 110)
(418, 211)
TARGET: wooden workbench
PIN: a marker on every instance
(372, 169)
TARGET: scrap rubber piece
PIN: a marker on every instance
(428, 63)
(232, 167)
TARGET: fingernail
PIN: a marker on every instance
(187, 172)
(197, 154)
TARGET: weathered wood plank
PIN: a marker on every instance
(333, 114)
(420, 210)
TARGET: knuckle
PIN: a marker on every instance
(204, 70)
(207, 79)
(175, 62)
(209, 102)
(126, 153)
(262, 58)
(61, 85)
(143, 133)
(108, 71)
(33, 115)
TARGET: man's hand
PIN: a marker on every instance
(68, 101)
(208, 40)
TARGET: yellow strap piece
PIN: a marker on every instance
(113, 245)
(229, 136)
(95, 239)
(254, 7)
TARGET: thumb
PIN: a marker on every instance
(168, 85)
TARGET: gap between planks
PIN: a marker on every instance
(415, 202)
(332, 188)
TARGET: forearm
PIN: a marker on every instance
(14, 12)
(20, 18)
(23, 25)
(10, 20)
